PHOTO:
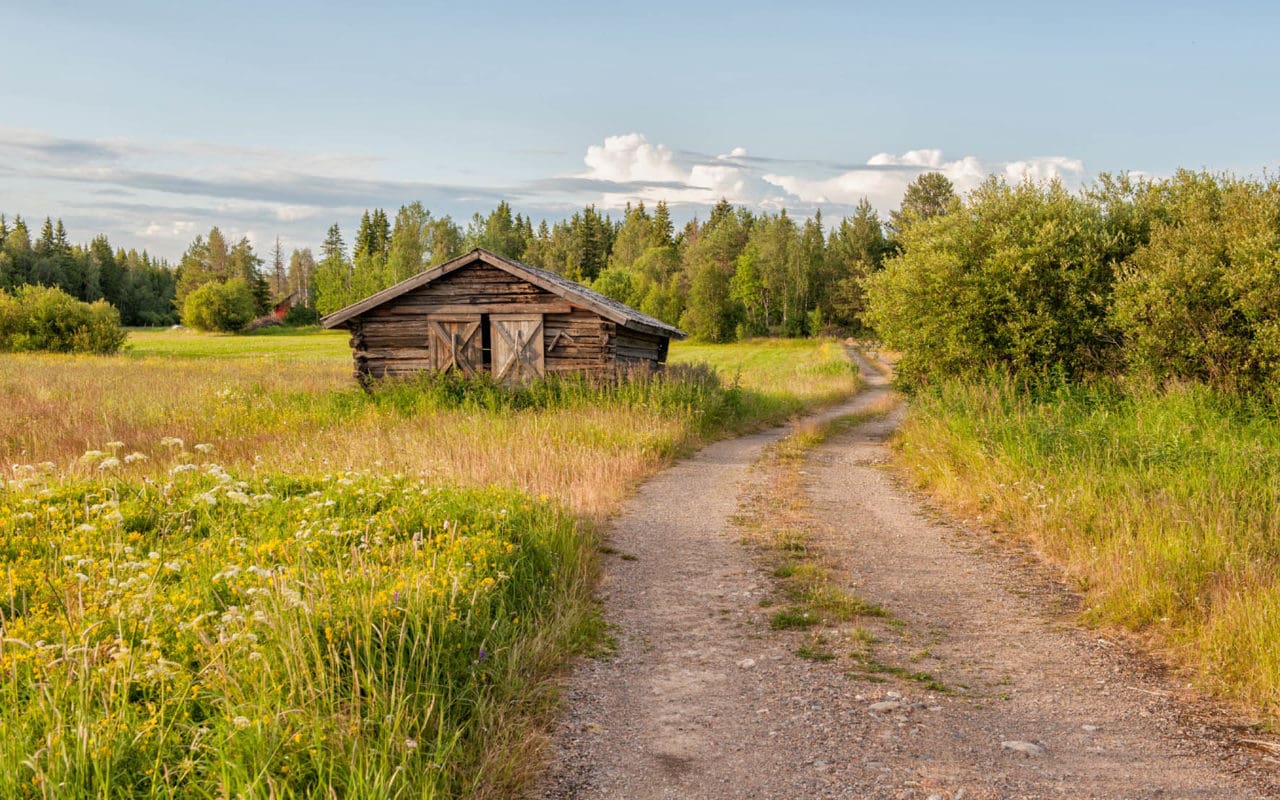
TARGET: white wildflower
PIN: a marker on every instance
(109, 463)
(113, 446)
(134, 457)
(92, 455)
(204, 448)
(183, 468)
(172, 442)
(240, 722)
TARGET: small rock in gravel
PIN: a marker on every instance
(1090, 728)
(1026, 748)
(747, 663)
(884, 706)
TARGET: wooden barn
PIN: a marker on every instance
(483, 312)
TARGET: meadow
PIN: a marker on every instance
(227, 571)
(1162, 505)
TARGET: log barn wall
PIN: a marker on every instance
(451, 321)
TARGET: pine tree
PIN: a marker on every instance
(662, 227)
(110, 272)
(46, 243)
(60, 239)
(380, 233)
(364, 236)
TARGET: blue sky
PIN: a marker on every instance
(153, 121)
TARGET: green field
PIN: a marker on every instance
(226, 570)
(286, 344)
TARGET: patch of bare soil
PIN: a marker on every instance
(976, 684)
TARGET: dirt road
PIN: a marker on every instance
(979, 684)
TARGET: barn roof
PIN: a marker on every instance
(575, 293)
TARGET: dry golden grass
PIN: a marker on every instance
(288, 404)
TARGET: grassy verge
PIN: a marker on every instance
(231, 573)
(1164, 506)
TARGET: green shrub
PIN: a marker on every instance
(225, 306)
(1017, 277)
(1201, 299)
(301, 316)
(47, 318)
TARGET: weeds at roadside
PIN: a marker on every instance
(777, 520)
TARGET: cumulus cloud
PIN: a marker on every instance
(884, 178)
(1041, 169)
(630, 157)
(652, 172)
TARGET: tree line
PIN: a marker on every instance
(736, 274)
(141, 287)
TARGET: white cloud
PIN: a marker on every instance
(172, 230)
(885, 177)
(1042, 169)
(631, 159)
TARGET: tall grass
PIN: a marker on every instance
(352, 635)
(1164, 505)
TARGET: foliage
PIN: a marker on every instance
(930, 195)
(212, 260)
(226, 306)
(1016, 277)
(139, 286)
(301, 316)
(738, 274)
(856, 249)
(45, 318)
(1200, 299)
(1160, 503)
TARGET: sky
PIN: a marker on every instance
(153, 121)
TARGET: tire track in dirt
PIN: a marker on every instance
(703, 700)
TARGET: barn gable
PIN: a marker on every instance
(486, 313)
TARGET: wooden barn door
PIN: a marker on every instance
(456, 343)
(518, 353)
